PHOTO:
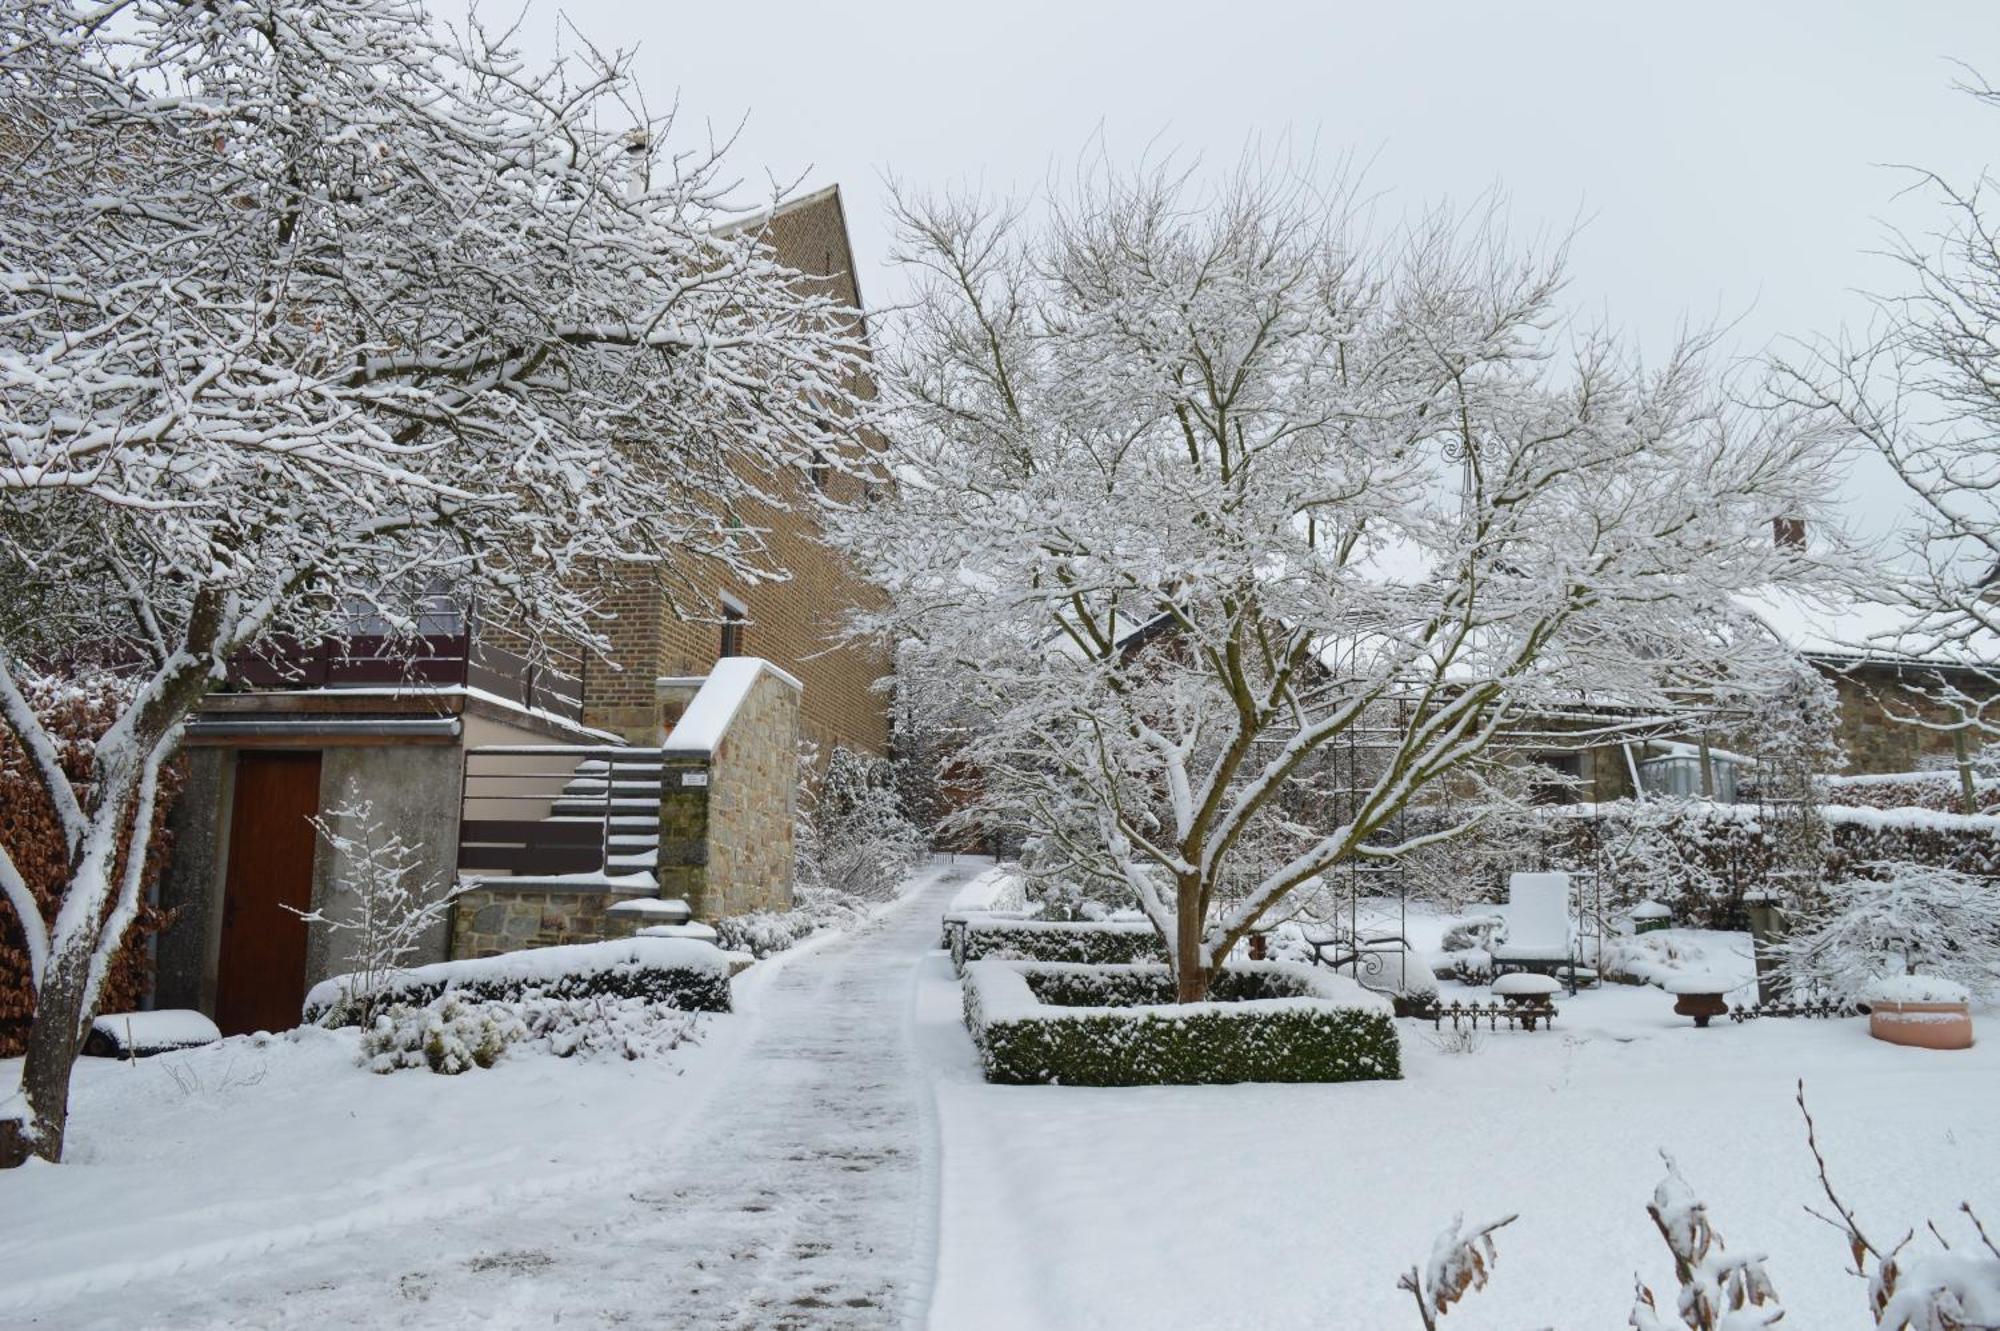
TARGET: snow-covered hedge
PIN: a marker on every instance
(1701, 858)
(1090, 942)
(1043, 1023)
(677, 972)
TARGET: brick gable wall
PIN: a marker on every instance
(792, 622)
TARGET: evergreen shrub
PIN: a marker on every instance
(1085, 942)
(1075, 1025)
(676, 973)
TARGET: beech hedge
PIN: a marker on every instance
(1076, 1025)
(673, 972)
(1084, 942)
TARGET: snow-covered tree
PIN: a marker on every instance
(308, 309)
(1895, 918)
(383, 905)
(1194, 482)
(1921, 386)
(852, 837)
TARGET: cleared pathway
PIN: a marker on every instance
(802, 1195)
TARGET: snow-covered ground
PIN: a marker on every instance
(1297, 1206)
(828, 1156)
(774, 1175)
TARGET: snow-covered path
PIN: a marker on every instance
(799, 1193)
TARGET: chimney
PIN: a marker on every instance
(1789, 533)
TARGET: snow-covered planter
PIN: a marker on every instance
(675, 972)
(1041, 1023)
(1084, 942)
(1920, 1010)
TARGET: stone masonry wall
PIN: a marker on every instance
(1874, 741)
(493, 920)
(683, 859)
(753, 788)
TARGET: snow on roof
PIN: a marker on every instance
(706, 721)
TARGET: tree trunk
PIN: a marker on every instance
(53, 1042)
(1190, 974)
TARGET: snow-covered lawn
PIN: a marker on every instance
(260, 1145)
(789, 1170)
(1297, 1206)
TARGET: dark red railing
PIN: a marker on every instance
(434, 659)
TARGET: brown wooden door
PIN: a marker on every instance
(261, 973)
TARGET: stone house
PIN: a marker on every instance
(569, 799)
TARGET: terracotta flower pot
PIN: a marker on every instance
(1922, 1025)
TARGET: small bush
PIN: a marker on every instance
(675, 973)
(764, 932)
(1084, 942)
(1117, 1026)
(448, 1036)
(453, 1033)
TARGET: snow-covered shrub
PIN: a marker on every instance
(382, 907)
(1700, 859)
(453, 1032)
(764, 932)
(676, 972)
(1037, 1024)
(1718, 1291)
(603, 1026)
(450, 1034)
(1897, 919)
(1649, 958)
(1941, 791)
(1091, 942)
(852, 837)
(1459, 1263)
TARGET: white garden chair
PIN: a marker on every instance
(1541, 930)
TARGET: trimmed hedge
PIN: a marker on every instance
(1053, 1024)
(674, 972)
(1081, 942)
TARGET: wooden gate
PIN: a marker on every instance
(261, 972)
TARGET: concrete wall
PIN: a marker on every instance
(414, 790)
(184, 955)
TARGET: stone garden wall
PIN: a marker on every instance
(493, 920)
(753, 789)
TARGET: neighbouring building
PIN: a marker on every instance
(567, 801)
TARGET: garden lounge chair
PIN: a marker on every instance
(1541, 935)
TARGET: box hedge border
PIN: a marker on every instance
(1080, 942)
(629, 973)
(1075, 1025)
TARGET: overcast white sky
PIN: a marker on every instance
(1726, 160)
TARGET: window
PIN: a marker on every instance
(735, 619)
(819, 469)
(1554, 778)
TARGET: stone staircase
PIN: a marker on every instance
(626, 795)
(602, 824)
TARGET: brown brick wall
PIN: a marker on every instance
(792, 623)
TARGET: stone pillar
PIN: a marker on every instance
(683, 858)
(1767, 926)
